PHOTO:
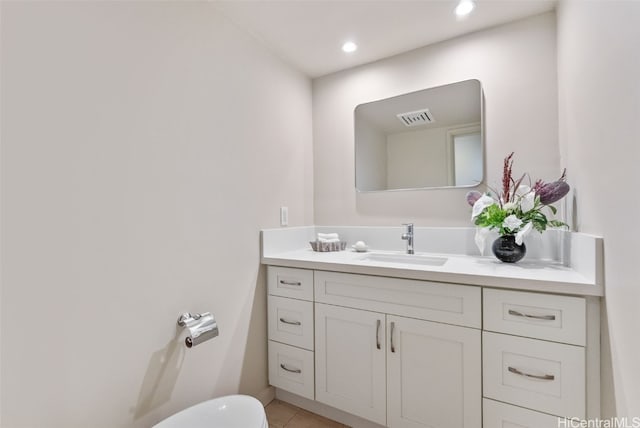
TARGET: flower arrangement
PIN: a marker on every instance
(518, 208)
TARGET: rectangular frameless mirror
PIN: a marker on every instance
(432, 138)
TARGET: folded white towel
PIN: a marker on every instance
(328, 236)
(328, 240)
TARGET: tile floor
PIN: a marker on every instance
(285, 415)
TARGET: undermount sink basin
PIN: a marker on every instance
(412, 259)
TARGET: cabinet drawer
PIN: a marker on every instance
(290, 282)
(544, 376)
(501, 415)
(291, 321)
(541, 316)
(432, 301)
(291, 369)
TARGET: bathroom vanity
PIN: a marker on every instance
(450, 340)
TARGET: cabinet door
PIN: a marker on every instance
(351, 361)
(434, 375)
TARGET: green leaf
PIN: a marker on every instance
(553, 209)
(491, 217)
(558, 223)
(539, 224)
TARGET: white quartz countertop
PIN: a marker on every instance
(556, 262)
(534, 275)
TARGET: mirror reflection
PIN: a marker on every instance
(426, 139)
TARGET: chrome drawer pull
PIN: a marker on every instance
(537, 317)
(378, 334)
(541, 377)
(393, 348)
(290, 322)
(282, 366)
(296, 283)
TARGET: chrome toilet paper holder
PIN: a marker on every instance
(200, 327)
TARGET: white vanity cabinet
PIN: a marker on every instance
(407, 353)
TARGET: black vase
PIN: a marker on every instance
(506, 249)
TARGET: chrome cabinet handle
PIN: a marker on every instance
(296, 283)
(378, 334)
(290, 322)
(282, 366)
(537, 317)
(393, 348)
(541, 377)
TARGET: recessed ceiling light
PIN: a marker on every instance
(465, 7)
(349, 47)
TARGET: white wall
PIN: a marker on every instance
(516, 64)
(599, 99)
(144, 144)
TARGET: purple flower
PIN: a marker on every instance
(552, 192)
(473, 196)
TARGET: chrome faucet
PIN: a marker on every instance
(408, 236)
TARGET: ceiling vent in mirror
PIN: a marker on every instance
(415, 118)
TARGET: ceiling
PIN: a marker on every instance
(308, 34)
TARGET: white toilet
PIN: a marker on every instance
(231, 411)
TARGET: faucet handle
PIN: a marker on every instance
(409, 225)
